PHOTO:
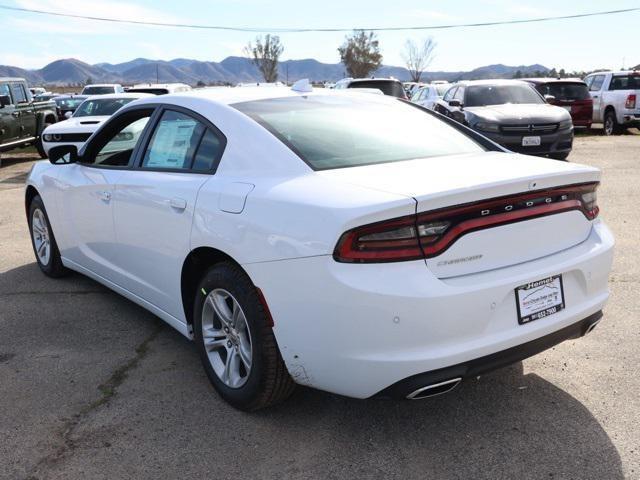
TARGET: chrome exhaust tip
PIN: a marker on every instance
(434, 389)
(591, 327)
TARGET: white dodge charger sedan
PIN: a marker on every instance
(353, 243)
(86, 119)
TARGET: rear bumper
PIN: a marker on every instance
(631, 120)
(473, 368)
(358, 329)
(558, 142)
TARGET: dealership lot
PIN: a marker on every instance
(92, 386)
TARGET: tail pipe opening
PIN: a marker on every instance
(434, 389)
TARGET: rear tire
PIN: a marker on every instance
(611, 125)
(235, 341)
(39, 145)
(43, 241)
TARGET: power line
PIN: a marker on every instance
(321, 30)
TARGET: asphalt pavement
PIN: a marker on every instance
(94, 387)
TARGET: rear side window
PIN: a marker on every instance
(625, 82)
(336, 131)
(564, 90)
(180, 142)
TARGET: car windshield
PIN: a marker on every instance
(68, 103)
(625, 82)
(97, 90)
(102, 106)
(387, 87)
(565, 90)
(338, 131)
(481, 95)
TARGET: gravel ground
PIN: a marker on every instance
(94, 387)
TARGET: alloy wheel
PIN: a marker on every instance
(41, 237)
(227, 338)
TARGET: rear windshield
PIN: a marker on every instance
(97, 90)
(107, 106)
(480, 95)
(565, 90)
(393, 89)
(625, 82)
(338, 131)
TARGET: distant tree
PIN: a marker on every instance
(552, 73)
(418, 57)
(518, 74)
(562, 73)
(265, 55)
(88, 81)
(360, 53)
(201, 84)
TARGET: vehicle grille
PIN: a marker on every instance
(534, 128)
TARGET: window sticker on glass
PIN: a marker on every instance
(174, 142)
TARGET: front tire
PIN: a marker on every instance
(236, 342)
(43, 241)
(39, 145)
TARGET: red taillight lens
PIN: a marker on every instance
(428, 234)
(631, 101)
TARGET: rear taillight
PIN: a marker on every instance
(631, 101)
(428, 234)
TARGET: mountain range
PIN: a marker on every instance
(233, 70)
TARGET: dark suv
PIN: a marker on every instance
(572, 94)
(511, 113)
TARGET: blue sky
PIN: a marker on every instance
(32, 41)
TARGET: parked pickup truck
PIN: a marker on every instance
(616, 99)
(21, 119)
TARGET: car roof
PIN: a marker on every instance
(12, 79)
(159, 85)
(74, 95)
(230, 96)
(119, 95)
(374, 79)
(619, 72)
(103, 85)
(552, 80)
(495, 81)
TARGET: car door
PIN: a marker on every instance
(85, 202)
(595, 90)
(9, 118)
(154, 205)
(25, 109)
(443, 105)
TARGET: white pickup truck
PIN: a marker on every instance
(616, 99)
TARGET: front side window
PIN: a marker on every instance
(333, 131)
(181, 142)
(449, 95)
(19, 95)
(4, 90)
(482, 95)
(596, 84)
(114, 144)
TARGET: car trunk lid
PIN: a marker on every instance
(471, 180)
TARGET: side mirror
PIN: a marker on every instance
(63, 154)
(549, 98)
(455, 103)
(68, 115)
(4, 101)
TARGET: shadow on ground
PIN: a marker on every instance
(165, 419)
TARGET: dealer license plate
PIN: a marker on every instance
(539, 299)
(530, 141)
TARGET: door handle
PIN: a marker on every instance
(105, 196)
(178, 203)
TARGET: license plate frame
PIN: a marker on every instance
(531, 141)
(548, 299)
